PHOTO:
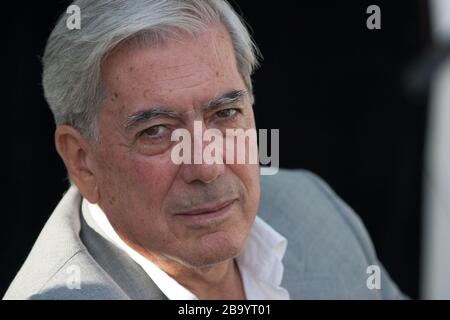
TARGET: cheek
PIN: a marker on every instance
(249, 176)
(147, 180)
(139, 182)
(155, 175)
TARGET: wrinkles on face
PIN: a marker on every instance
(141, 191)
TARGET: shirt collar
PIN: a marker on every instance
(260, 263)
(263, 252)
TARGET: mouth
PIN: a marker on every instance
(207, 214)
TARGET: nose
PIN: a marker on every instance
(201, 170)
(205, 173)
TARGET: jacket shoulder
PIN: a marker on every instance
(301, 203)
(326, 238)
(77, 278)
(80, 278)
(59, 266)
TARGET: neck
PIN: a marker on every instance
(219, 282)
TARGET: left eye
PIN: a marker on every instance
(227, 113)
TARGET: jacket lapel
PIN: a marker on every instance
(126, 273)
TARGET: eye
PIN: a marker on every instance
(227, 113)
(154, 132)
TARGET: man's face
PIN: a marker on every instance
(196, 214)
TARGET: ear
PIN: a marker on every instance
(77, 153)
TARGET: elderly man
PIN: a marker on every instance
(136, 225)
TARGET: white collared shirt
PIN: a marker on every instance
(260, 260)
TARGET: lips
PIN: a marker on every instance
(210, 209)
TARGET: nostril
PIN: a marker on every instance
(205, 173)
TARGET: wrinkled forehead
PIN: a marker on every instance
(185, 70)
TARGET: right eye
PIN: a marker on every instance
(155, 132)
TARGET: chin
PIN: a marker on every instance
(213, 249)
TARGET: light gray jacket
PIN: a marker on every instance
(327, 256)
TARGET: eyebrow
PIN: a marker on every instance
(226, 99)
(150, 114)
(158, 112)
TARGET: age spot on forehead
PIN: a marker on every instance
(115, 96)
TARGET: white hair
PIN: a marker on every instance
(72, 59)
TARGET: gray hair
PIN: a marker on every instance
(72, 59)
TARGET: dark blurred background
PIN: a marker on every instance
(340, 94)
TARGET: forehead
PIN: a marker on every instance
(183, 71)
